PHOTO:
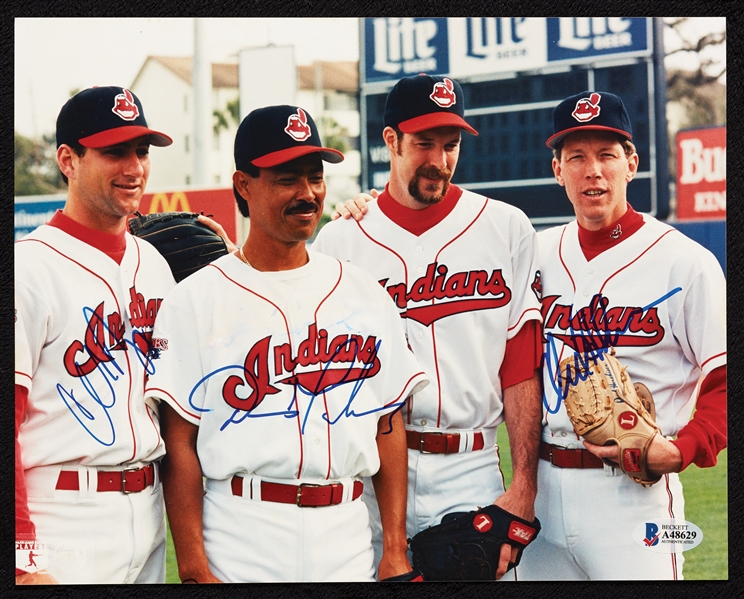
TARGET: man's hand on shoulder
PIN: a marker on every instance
(219, 230)
(356, 207)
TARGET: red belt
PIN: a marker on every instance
(440, 442)
(302, 495)
(569, 458)
(133, 480)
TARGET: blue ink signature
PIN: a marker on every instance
(321, 387)
(599, 344)
(110, 372)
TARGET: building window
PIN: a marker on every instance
(217, 179)
(186, 143)
(188, 179)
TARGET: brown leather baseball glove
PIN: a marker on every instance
(606, 407)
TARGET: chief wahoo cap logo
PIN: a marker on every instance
(297, 127)
(124, 106)
(444, 93)
(586, 110)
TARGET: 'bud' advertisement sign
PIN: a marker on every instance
(701, 173)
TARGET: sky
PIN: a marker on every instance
(56, 55)
(111, 51)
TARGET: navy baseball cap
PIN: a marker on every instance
(601, 111)
(424, 102)
(103, 116)
(277, 134)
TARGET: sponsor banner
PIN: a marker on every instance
(396, 47)
(701, 173)
(30, 212)
(579, 39)
(484, 45)
(218, 204)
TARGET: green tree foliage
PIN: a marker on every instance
(36, 171)
(692, 88)
(333, 135)
(222, 118)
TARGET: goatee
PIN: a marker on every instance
(429, 172)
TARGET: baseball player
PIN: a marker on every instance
(88, 497)
(282, 373)
(461, 270)
(614, 278)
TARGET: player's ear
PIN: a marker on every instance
(557, 172)
(632, 167)
(66, 161)
(241, 183)
(390, 137)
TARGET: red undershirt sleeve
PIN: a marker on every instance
(522, 356)
(702, 439)
(25, 530)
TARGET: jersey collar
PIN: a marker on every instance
(110, 244)
(594, 243)
(418, 222)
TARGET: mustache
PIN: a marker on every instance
(302, 206)
(432, 172)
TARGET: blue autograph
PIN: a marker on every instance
(109, 372)
(598, 344)
(324, 383)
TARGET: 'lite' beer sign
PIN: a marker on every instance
(701, 173)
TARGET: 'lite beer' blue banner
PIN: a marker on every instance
(468, 46)
(397, 47)
(579, 38)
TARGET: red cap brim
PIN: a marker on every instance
(554, 140)
(122, 134)
(282, 156)
(435, 119)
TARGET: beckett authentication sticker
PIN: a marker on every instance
(667, 535)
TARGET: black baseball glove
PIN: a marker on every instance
(185, 243)
(467, 545)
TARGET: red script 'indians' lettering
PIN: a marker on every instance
(438, 284)
(599, 326)
(316, 350)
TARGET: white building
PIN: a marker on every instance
(328, 90)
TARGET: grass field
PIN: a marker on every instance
(706, 505)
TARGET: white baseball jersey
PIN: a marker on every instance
(82, 349)
(286, 373)
(658, 298)
(462, 288)
(82, 331)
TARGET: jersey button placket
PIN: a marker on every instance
(420, 270)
